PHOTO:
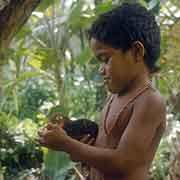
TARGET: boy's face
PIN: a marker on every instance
(117, 67)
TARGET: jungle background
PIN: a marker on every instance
(46, 66)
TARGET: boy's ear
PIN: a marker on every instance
(138, 51)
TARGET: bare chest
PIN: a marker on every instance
(114, 120)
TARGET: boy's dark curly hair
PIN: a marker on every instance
(126, 24)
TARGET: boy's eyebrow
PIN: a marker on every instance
(101, 52)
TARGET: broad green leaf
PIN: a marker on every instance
(153, 4)
(84, 57)
(103, 7)
(44, 58)
(27, 75)
(24, 32)
(35, 63)
(57, 109)
(76, 12)
(24, 76)
(44, 4)
(55, 162)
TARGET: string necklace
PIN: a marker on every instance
(108, 131)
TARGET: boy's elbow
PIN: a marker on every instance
(120, 166)
(115, 168)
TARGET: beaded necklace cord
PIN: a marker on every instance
(142, 90)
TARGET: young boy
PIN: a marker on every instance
(126, 41)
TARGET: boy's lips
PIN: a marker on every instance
(106, 79)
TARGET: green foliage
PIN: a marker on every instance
(161, 161)
(57, 165)
(103, 7)
(17, 146)
(32, 98)
(45, 4)
(50, 68)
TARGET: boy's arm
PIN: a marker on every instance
(148, 114)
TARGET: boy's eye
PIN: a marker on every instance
(105, 59)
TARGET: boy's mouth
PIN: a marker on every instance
(106, 79)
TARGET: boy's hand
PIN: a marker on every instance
(58, 118)
(53, 137)
(87, 139)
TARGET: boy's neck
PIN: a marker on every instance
(135, 84)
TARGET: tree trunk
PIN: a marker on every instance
(13, 15)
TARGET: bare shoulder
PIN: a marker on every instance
(151, 99)
(152, 104)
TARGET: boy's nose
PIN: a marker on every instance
(102, 70)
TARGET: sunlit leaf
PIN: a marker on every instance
(84, 57)
(35, 63)
(45, 4)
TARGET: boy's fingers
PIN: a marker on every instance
(40, 140)
(41, 132)
(85, 139)
(54, 115)
(41, 129)
(56, 118)
(91, 141)
(51, 126)
(61, 124)
(44, 133)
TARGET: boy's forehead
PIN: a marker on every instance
(99, 47)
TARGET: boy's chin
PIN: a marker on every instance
(113, 90)
(116, 90)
